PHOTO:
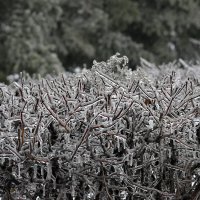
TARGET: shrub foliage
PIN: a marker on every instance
(104, 133)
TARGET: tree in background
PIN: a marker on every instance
(28, 37)
(167, 28)
(42, 36)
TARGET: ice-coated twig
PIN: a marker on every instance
(109, 132)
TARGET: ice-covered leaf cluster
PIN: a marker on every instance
(104, 133)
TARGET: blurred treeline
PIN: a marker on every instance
(44, 36)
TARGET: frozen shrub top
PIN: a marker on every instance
(104, 133)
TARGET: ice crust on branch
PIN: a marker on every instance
(104, 133)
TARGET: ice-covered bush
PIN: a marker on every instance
(104, 133)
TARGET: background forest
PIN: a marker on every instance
(49, 36)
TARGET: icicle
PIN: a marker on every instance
(145, 156)
(44, 191)
(54, 183)
(49, 171)
(19, 170)
(89, 141)
(35, 171)
(73, 192)
(121, 178)
(131, 160)
(194, 154)
(189, 136)
(2, 160)
(70, 173)
(60, 162)
(42, 172)
(10, 161)
(98, 170)
(169, 153)
(124, 143)
(118, 144)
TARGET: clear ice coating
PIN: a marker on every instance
(104, 133)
